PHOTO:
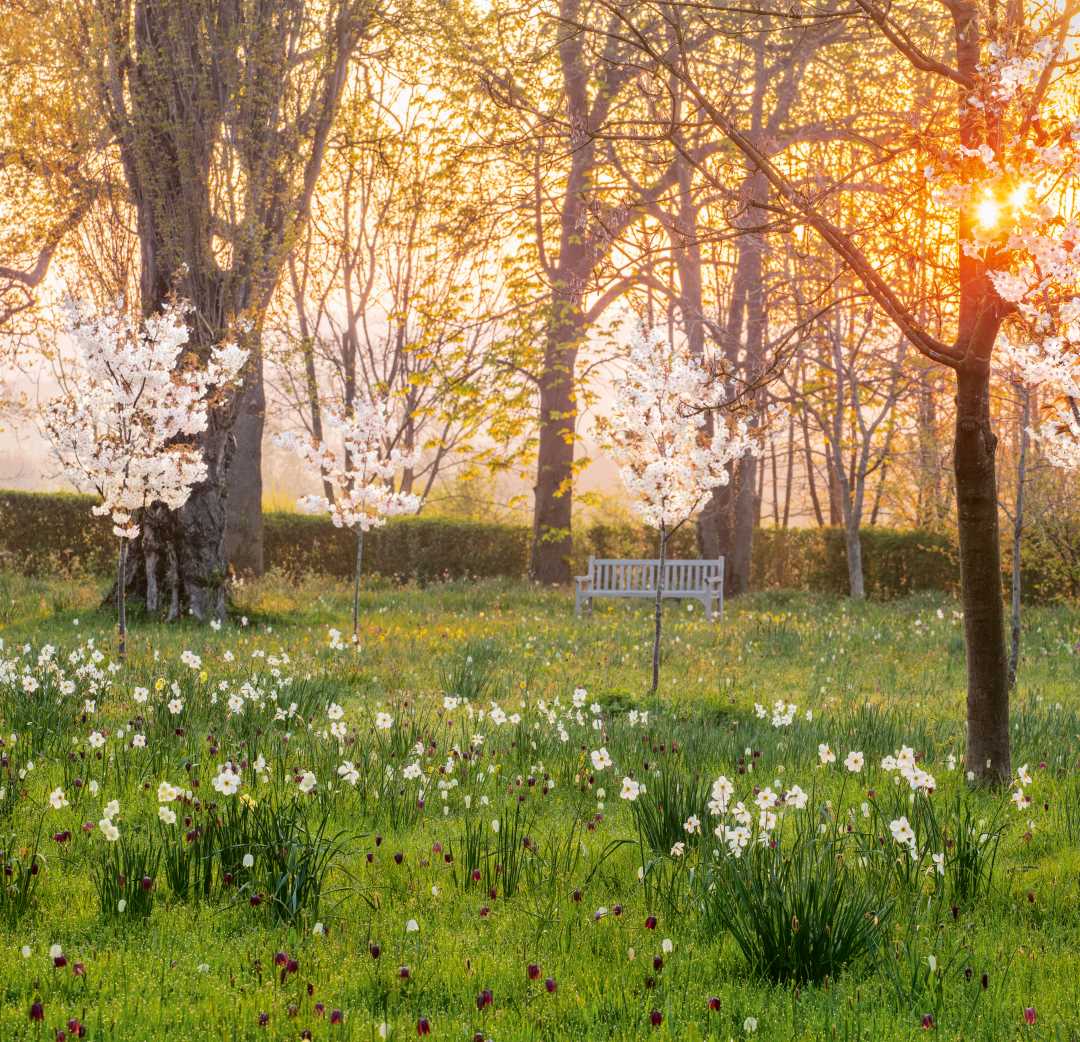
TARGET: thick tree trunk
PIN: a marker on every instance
(177, 565)
(553, 513)
(554, 502)
(244, 526)
(737, 577)
(207, 122)
(714, 525)
(980, 571)
(746, 498)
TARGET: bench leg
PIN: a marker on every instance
(577, 603)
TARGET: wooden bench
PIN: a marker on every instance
(611, 577)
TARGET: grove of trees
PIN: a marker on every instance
(860, 219)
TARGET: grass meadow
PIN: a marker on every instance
(477, 826)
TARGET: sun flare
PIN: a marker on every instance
(988, 212)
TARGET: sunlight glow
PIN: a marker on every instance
(1018, 196)
(987, 212)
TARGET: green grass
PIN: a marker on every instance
(198, 960)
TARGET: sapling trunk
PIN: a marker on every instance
(121, 598)
(659, 611)
(1018, 535)
(356, 588)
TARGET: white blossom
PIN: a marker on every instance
(362, 471)
(127, 425)
(659, 431)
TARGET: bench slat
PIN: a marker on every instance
(618, 575)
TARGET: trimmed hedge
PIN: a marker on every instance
(54, 533)
(895, 561)
(422, 548)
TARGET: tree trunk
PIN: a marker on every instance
(811, 480)
(850, 506)
(658, 612)
(737, 572)
(200, 550)
(980, 571)
(836, 509)
(1018, 536)
(853, 539)
(244, 526)
(177, 565)
(356, 588)
(554, 503)
(121, 600)
(789, 480)
(714, 525)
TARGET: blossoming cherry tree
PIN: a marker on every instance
(360, 476)
(131, 408)
(1027, 232)
(670, 457)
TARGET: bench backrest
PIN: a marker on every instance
(632, 574)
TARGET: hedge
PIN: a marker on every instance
(54, 533)
(895, 562)
(422, 548)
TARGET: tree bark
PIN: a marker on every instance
(853, 539)
(811, 479)
(849, 503)
(1018, 537)
(737, 578)
(554, 505)
(980, 571)
(658, 612)
(177, 564)
(121, 600)
(789, 479)
(356, 588)
(199, 534)
(244, 524)
(752, 247)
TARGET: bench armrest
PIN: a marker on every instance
(582, 580)
(715, 580)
